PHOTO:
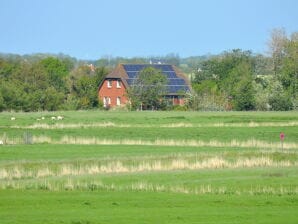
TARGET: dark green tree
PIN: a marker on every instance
(13, 96)
(87, 92)
(52, 99)
(227, 75)
(6, 68)
(83, 87)
(245, 97)
(280, 101)
(1, 103)
(57, 70)
(148, 89)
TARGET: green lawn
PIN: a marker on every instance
(148, 117)
(139, 207)
(135, 183)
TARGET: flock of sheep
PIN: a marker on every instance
(52, 118)
(43, 118)
(38, 119)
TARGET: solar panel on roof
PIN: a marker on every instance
(164, 68)
(170, 74)
(175, 83)
(132, 75)
(134, 68)
(176, 89)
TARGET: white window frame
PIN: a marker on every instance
(118, 84)
(106, 101)
(118, 102)
(109, 83)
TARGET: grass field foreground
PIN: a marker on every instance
(149, 167)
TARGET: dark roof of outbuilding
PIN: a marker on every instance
(177, 81)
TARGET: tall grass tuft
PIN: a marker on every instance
(69, 184)
(118, 166)
(170, 125)
(73, 140)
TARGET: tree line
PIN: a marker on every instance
(232, 80)
(241, 80)
(48, 83)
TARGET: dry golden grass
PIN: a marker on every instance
(171, 125)
(257, 124)
(71, 184)
(72, 140)
(252, 143)
(117, 166)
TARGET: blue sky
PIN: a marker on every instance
(90, 29)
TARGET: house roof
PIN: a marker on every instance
(128, 73)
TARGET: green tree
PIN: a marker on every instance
(86, 90)
(284, 52)
(6, 68)
(209, 70)
(261, 90)
(280, 101)
(239, 86)
(83, 87)
(99, 74)
(57, 71)
(52, 99)
(1, 102)
(245, 97)
(13, 96)
(148, 90)
(289, 73)
(227, 75)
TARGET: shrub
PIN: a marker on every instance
(280, 102)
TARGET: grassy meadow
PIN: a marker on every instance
(148, 167)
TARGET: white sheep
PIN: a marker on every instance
(53, 118)
(38, 119)
(12, 118)
(42, 118)
(60, 118)
(1, 142)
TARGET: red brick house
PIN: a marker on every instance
(112, 91)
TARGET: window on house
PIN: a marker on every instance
(118, 101)
(109, 83)
(106, 101)
(118, 84)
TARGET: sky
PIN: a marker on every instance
(91, 29)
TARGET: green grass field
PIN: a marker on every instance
(149, 167)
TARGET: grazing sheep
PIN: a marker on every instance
(38, 119)
(53, 118)
(60, 118)
(1, 142)
(12, 118)
(42, 118)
